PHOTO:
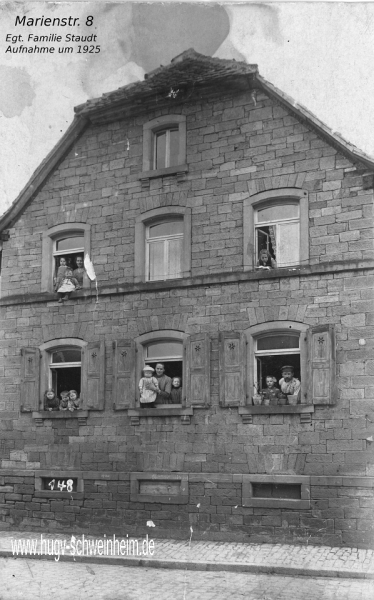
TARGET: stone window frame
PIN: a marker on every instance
(304, 409)
(158, 215)
(52, 235)
(164, 409)
(196, 375)
(277, 327)
(45, 352)
(154, 126)
(249, 501)
(253, 202)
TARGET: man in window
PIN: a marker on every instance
(289, 384)
(164, 384)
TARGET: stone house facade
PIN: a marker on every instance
(171, 187)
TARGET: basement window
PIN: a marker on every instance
(276, 491)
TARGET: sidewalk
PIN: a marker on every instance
(282, 559)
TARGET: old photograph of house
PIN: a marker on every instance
(186, 300)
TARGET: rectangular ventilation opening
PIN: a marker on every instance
(162, 488)
(277, 490)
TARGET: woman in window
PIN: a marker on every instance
(265, 260)
(164, 384)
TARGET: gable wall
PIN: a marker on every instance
(229, 143)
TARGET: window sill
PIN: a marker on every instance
(178, 170)
(41, 416)
(279, 271)
(304, 410)
(275, 503)
(164, 410)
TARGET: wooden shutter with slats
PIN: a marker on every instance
(232, 368)
(30, 378)
(197, 370)
(321, 365)
(93, 365)
(123, 374)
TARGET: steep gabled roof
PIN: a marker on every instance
(188, 70)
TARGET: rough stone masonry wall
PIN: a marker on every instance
(230, 143)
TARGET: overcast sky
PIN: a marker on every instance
(321, 54)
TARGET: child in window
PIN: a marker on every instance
(64, 402)
(176, 391)
(271, 394)
(60, 273)
(68, 284)
(74, 401)
(50, 400)
(148, 387)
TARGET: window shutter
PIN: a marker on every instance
(123, 374)
(197, 369)
(232, 365)
(321, 365)
(30, 378)
(93, 364)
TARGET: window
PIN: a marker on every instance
(164, 250)
(164, 146)
(310, 351)
(169, 353)
(163, 244)
(185, 356)
(68, 243)
(276, 221)
(272, 352)
(65, 370)
(272, 346)
(63, 364)
(68, 251)
(277, 230)
(276, 491)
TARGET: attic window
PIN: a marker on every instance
(164, 147)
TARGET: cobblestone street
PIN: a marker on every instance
(36, 579)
